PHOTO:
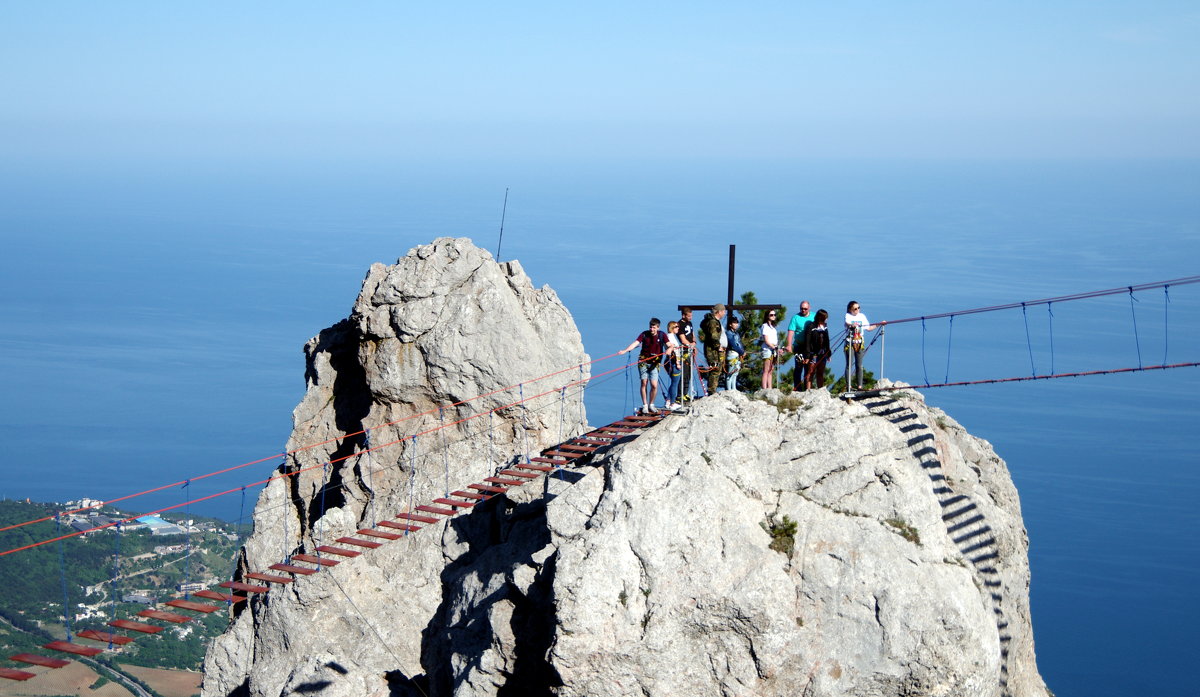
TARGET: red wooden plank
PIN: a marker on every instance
(380, 534)
(68, 647)
(592, 440)
(244, 587)
(485, 487)
(136, 626)
(338, 551)
(269, 578)
(418, 518)
(293, 569)
(399, 526)
(314, 560)
(470, 495)
(580, 448)
(224, 597)
(106, 637)
(632, 425)
(619, 430)
(563, 453)
(164, 616)
(193, 605)
(36, 660)
(14, 674)
(519, 473)
(549, 461)
(503, 482)
(358, 543)
(455, 504)
(438, 510)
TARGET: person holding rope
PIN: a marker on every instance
(856, 326)
(795, 344)
(715, 343)
(687, 351)
(654, 343)
(815, 345)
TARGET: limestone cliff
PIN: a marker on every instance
(789, 546)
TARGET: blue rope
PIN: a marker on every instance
(412, 475)
(1166, 323)
(628, 388)
(1028, 341)
(492, 442)
(561, 413)
(1050, 312)
(524, 422)
(240, 518)
(1136, 341)
(370, 489)
(923, 368)
(949, 342)
(324, 486)
(116, 578)
(286, 558)
(187, 559)
(445, 448)
(62, 558)
(562, 409)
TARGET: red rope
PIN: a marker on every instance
(330, 462)
(297, 450)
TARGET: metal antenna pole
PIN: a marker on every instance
(503, 211)
(729, 295)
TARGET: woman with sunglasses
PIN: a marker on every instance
(857, 325)
(768, 336)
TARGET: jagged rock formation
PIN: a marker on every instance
(665, 566)
(442, 326)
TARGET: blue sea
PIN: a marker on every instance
(154, 318)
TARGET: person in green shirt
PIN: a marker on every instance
(795, 345)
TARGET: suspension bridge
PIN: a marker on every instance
(519, 470)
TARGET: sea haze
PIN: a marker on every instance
(154, 324)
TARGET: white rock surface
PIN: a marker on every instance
(650, 570)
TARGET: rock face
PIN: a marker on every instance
(446, 336)
(796, 545)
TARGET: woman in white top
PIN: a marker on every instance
(857, 324)
(769, 337)
(672, 365)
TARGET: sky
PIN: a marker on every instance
(221, 82)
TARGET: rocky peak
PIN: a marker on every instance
(786, 545)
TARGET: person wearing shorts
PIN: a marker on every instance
(654, 344)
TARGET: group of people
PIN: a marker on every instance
(675, 349)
